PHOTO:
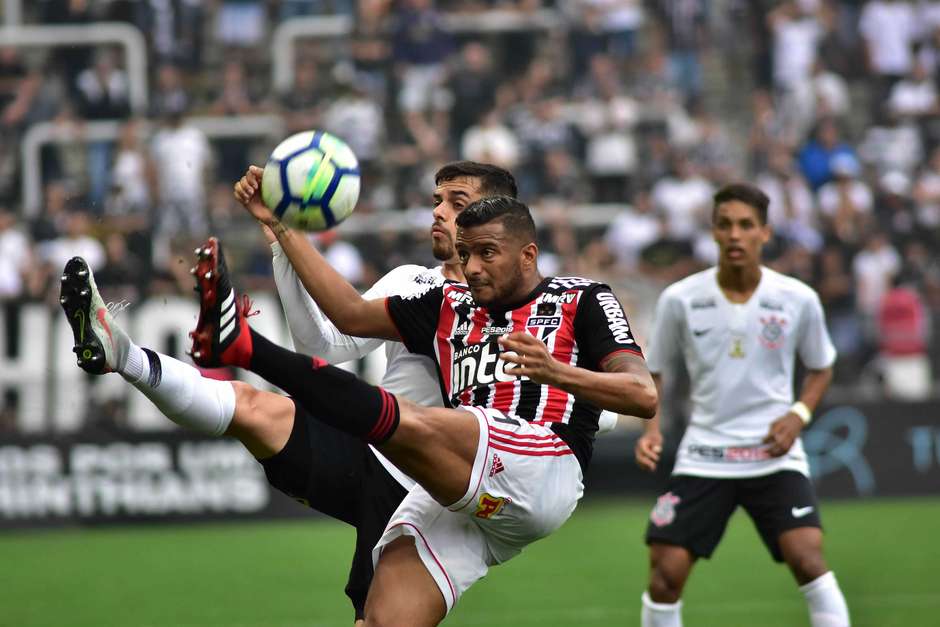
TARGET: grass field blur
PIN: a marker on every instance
(591, 573)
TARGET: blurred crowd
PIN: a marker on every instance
(642, 107)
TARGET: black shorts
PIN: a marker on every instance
(694, 511)
(338, 475)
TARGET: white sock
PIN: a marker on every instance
(135, 364)
(660, 614)
(827, 606)
(180, 391)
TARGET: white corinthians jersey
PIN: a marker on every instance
(740, 359)
(407, 374)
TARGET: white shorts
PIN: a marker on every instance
(524, 484)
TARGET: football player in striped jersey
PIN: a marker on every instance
(529, 362)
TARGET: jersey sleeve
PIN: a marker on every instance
(416, 319)
(666, 333)
(601, 326)
(815, 346)
(312, 331)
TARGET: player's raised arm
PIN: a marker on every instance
(312, 331)
(351, 313)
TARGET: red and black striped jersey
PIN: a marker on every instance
(580, 321)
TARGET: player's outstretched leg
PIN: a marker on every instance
(332, 395)
(223, 337)
(102, 346)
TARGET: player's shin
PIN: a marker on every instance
(827, 607)
(656, 614)
(330, 394)
(180, 392)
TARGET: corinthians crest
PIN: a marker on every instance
(774, 331)
(664, 512)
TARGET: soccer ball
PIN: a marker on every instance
(311, 181)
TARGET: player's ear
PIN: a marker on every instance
(767, 232)
(530, 255)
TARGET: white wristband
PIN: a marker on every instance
(800, 409)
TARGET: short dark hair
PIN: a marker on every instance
(743, 192)
(514, 214)
(494, 180)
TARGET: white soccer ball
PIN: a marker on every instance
(311, 181)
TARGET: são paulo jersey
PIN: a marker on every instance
(740, 359)
(580, 321)
(411, 375)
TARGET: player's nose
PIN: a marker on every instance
(440, 211)
(472, 267)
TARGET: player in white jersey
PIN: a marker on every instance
(739, 328)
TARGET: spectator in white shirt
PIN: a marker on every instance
(128, 205)
(846, 202)
(77, 241)
(181, 157)
(491, 141)
(889, 29)
(792, 209)
(874, 268)
(915, 96)
(825, 94)
(359, 120)
(606, 120)
(635, 227)
(684, 199)
(927, 192)
(796, 31)
(15, 257)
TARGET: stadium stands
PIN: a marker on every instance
(633, 106)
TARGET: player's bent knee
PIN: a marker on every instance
(669, 570)
(802, 551)
(262, 420)
(428, 427)
(418, 423)
(250, 412)
(245, 397)
(807, 565)
(402, 593)
(664, 588)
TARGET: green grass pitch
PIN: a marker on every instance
(590, 573)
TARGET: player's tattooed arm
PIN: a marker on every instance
(624, 362)
(624, 386)
(638, 390)
(277, 227)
